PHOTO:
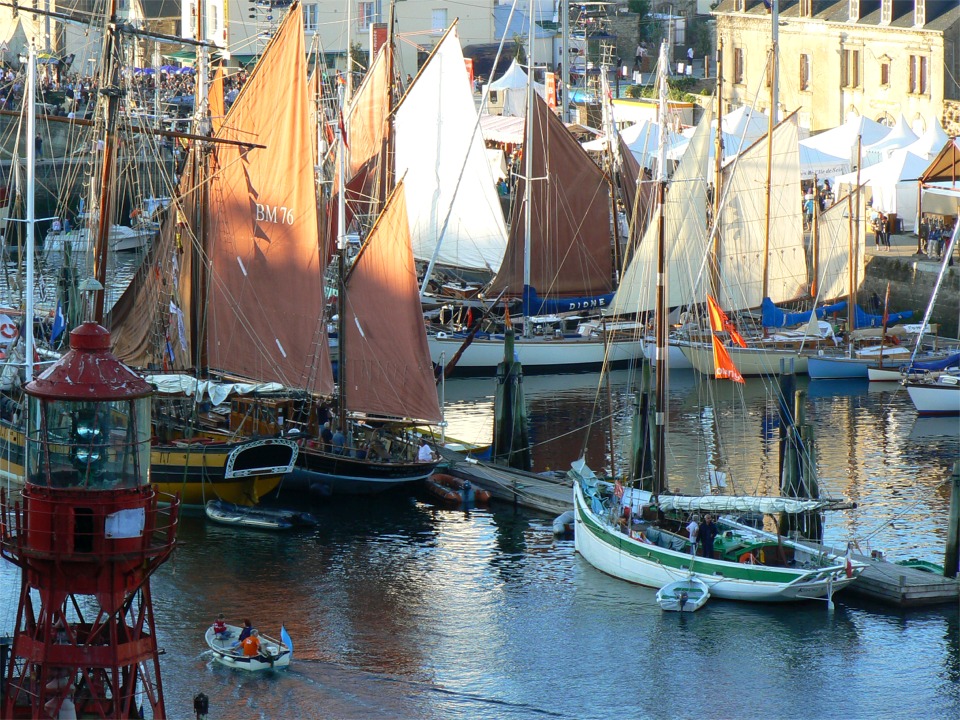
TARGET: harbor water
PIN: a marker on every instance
(402, 610)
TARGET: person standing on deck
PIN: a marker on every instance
(693, 529)
(707, 534)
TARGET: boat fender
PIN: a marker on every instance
(748, 558)
(441, 335)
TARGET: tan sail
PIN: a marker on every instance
(149, 324)
(570, 246)
(265, 288)
(388, 368)
(215, 99)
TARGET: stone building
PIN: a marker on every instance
(877, 58)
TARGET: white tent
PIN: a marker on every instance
(931, 142)
(745, 122)
(513, 85)
(842, 140)
(893, 183)
(498, 128)
(896, 139)
(642, 138)
(816, 163)
(740, 129)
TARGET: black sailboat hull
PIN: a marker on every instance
(328, 474)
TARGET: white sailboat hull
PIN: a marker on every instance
(941, 397)
(626, 558)
(121, 239)
(676, 360)
(748, 361)
(537, 354)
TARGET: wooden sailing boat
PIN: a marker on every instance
(559, 247)
(386, 378)
(752, 565)
(242, 298)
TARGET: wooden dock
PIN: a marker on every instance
(547, 494)
(891, 584)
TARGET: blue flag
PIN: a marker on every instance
(59, 322)
(285, 639)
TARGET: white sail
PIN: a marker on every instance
(440, 152)
(743, 217)
(833, 253)
(686, 234)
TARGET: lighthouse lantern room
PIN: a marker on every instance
(87, 531)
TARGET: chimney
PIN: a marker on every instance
(919, 13)
(854, 11)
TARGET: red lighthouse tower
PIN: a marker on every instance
(88, 534)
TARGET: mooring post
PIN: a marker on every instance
(951, 558)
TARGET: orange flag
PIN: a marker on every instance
(723, 363)
(720, 322)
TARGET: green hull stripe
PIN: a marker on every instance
(703, 566)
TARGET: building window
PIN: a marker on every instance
(804, 73)
(851, 68)
(740, 5)
(738, 66)
(853, 10)
(368, 13)
(918, 75)
(438, 20)
(919, 13)
(806, 8)
(884, 71)
(310, 14)
(886, 12)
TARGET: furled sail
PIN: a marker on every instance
(439, 151)
(742, 220)
(388, 371)
(149, 324)
(570, 244)
(686, 234)
(265, 288)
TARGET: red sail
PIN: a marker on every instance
(570, 246)
(388, 370)
(265, 289)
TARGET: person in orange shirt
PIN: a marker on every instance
(251, 644)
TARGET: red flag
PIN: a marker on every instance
(849, 564)
(618, 489)
(720, 322)
(723, 363)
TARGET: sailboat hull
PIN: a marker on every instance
(327, 474)
(537, 354)
(240, 473)
(643, 563)
(748, 361)
(939, 397)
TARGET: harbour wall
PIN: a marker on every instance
(912, 279)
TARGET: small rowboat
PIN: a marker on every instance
(258, 518)
(274, 654)
(455, 490)
(684, 595)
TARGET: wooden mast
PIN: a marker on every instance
(717, 176)
(659, 448)
(110, 91)
(771, 121)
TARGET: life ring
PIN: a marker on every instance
(748, 558)
(8, 331)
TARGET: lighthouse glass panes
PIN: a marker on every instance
(97, 445)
